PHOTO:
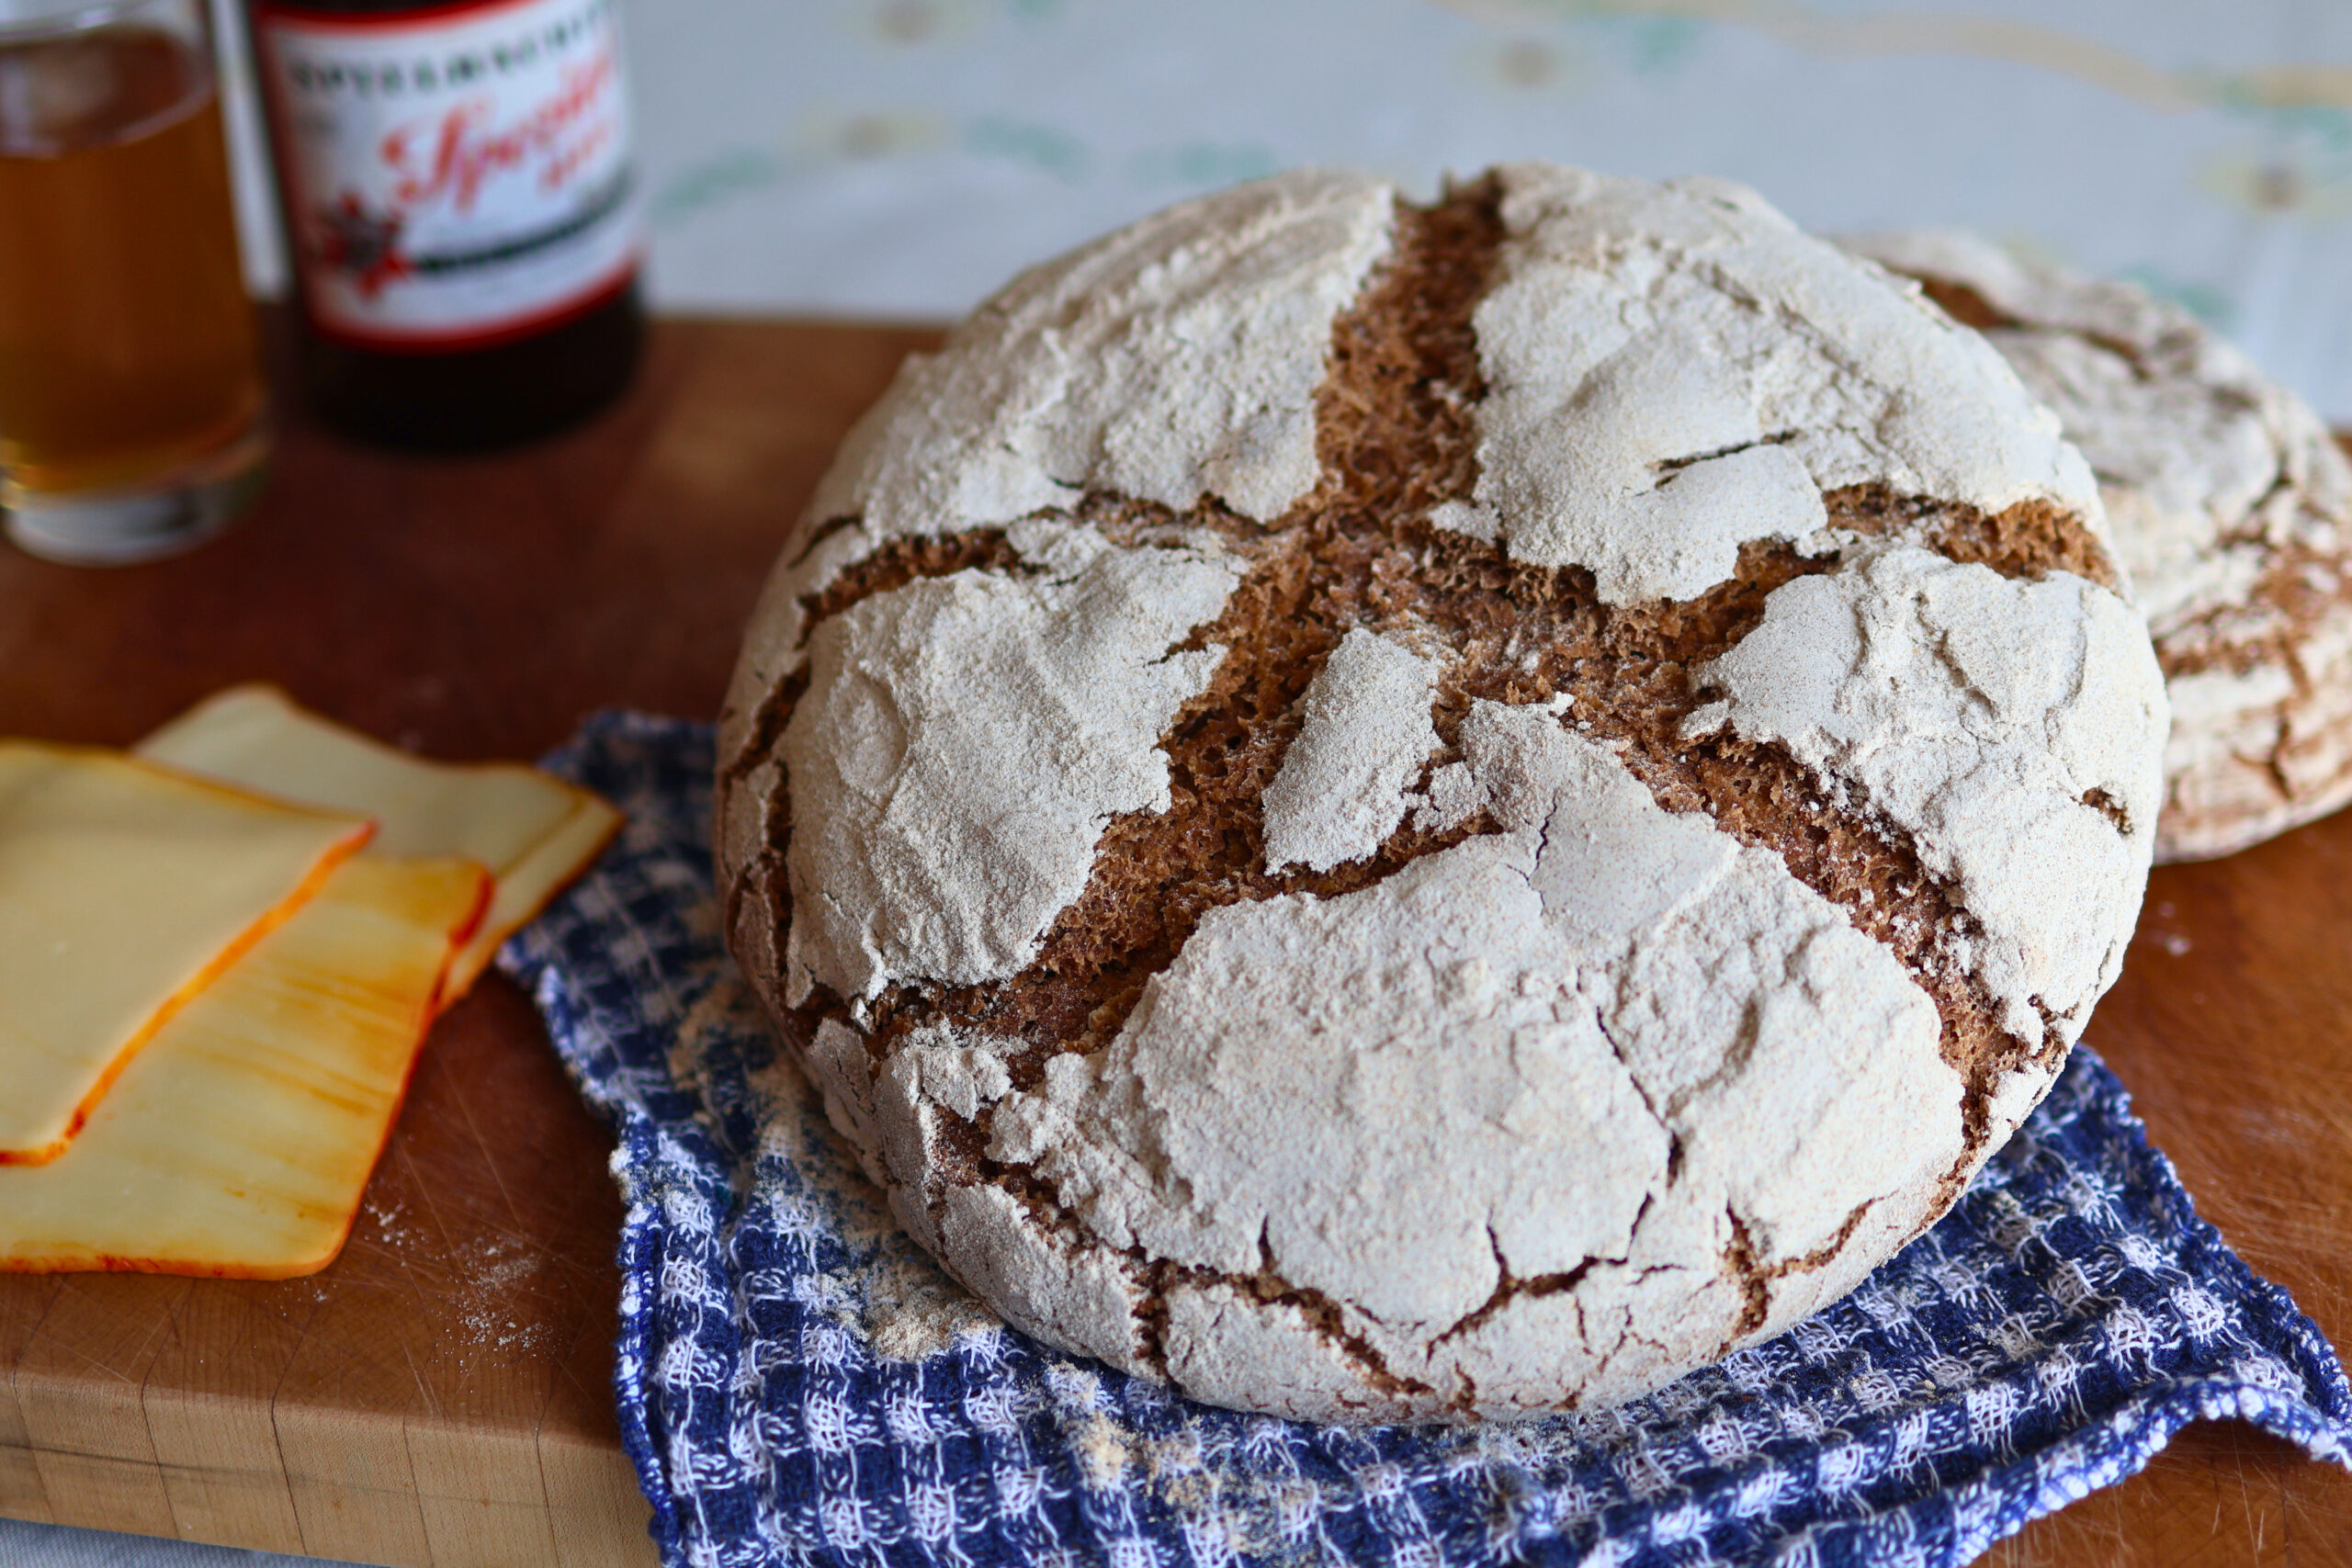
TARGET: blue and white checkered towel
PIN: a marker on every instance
(798, 1384)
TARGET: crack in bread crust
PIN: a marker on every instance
(2029, 540)
(1971, 309)
(2206, 642)
(1155, 1279)
(1515, 635)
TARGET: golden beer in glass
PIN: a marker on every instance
(132, 409)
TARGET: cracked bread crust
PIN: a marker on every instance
(1490, 993)
(2230, 505)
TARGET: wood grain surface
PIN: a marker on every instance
(442, 1394)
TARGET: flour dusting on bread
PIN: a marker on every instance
(1492, 917)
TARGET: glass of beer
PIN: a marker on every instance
(133, 417)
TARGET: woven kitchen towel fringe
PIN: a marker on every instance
(798, 1385)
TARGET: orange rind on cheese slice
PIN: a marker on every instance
(124, 890)
(535, 832)
(239, 1142)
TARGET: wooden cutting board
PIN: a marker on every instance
(442, 1394)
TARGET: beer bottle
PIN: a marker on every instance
(461, 211)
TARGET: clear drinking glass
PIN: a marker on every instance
(133, 416)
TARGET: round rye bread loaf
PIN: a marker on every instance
(1396, 813)
(2230, 506)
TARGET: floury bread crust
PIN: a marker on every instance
(2230, 506)
(1462, 855)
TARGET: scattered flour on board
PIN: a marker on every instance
(391, 1221)
(485, 1299)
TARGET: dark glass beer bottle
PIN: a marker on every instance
(461, 211)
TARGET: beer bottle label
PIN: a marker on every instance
(454, 176)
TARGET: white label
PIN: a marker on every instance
(454, 177)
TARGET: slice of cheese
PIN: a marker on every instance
(533, 832)
(239, 1142)
(532, 879)
(124, 889)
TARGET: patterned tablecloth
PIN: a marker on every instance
(796, 1384)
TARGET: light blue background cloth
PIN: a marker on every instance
(796, 1384)
(55, 1546)
(904, 157)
